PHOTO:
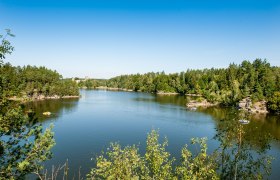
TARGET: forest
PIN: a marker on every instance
(31, 81)
(226, 86)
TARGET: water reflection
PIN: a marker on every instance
(163, 99)
(260, 125)
(57, 107)
(171, 99)
(243, 149)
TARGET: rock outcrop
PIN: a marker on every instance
(246, 104)
(203, 103)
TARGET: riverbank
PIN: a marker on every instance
(194, 95)
(40, 98)
(113, 89)
(245, 104)
(200, 103)
(167, 93)
(131, 90)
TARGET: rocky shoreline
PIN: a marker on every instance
(166, 93)
(113, 89)
(203, 103)
(40, 98)
(246, 104)
(194, 95)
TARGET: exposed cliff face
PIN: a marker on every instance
(246, 104)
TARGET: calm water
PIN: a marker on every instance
(84, 127)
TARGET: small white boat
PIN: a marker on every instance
(193, 108)
(243, 121)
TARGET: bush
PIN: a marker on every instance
(127, 163)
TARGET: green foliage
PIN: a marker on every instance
(31, 81)
(127, 163)
(202, 166)
(274, 102)
(23, 144)
(241, 155)
(64, 88)
(5, 47)
(91, 83)
(157, 158)
(121, 164)
(88, 83)
(235, 160)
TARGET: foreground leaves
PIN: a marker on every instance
(127, 163)
(23, 143)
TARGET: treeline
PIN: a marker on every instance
(227, 86)
(30, 81)
(90, 83)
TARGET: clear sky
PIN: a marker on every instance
(105, 38)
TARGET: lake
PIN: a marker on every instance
(84, 127)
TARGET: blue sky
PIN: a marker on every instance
(105, 38)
